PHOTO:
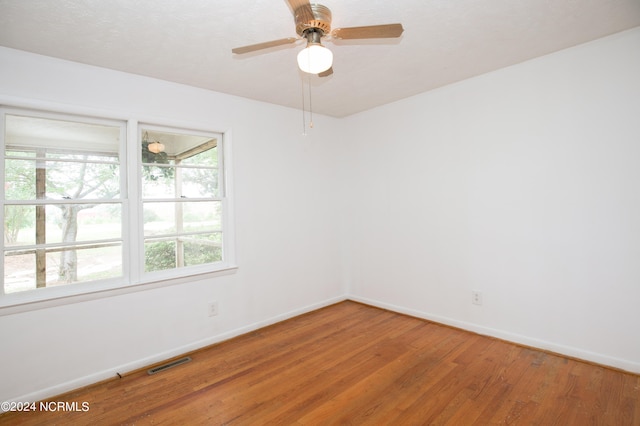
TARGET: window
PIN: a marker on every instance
(63, 202)
(181, 199)
(70, 224)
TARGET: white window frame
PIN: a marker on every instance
(196, 269)
(133, 276)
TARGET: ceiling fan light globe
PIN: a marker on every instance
(315, 59)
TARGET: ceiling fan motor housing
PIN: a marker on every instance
(321, 19)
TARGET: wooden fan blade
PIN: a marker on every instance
(302, 9)
(371, 31)
(326, 73)
(265, 45)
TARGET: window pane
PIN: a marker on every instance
(179, 165)
(164, 218)
(199, 183)
(92, 222)
(162, 182)
(63, 223)
(30, 133)
(208, 157)
(194, 182)
(203, 249)
(19, 225)
(61, 267)
(26, 154)
(61, 179)
(80, 180)
(76, 160)
(167, 147)
(20, 180)
(187, 250)
(159, 255)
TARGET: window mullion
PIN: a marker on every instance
(41, 219)
(179, 214)
(134, 249)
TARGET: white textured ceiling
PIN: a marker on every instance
(190, 42)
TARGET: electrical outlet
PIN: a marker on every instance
(212, 309)
(476, 297)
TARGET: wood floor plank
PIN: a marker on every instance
(363, 398)
(354, 364)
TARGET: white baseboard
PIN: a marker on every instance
(622, 364)
(157, 358)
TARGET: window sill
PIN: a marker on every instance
(33, 300)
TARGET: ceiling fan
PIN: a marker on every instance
(313, 23)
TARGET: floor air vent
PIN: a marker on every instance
(168, 365)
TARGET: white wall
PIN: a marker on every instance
(287, 230)
(523, 184)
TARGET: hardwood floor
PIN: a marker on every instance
(354, 364)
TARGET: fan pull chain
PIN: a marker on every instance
(304, 118)
(304, 106)
(310, 105)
